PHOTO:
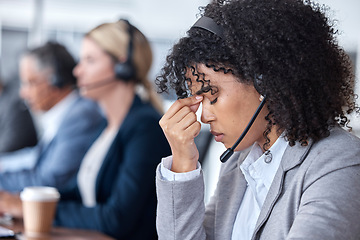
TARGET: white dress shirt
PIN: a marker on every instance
(50, 120)
(259, 176)
(91, 165)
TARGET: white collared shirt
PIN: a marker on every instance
(51, 120)
(91, 164)
(259, 176)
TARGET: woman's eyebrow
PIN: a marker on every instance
(204, 90)
(199, 92)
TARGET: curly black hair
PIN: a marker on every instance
(307, 77)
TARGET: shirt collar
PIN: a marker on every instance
(52, 119)
(256, 161)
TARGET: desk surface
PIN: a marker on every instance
(59, 233)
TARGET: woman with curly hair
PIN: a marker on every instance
(272, 73)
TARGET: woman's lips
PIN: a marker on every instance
(218, 136)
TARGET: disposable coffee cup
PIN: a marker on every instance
(39, 205)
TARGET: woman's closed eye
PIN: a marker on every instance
(213, 101)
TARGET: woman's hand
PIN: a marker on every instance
(10, 204)
(180, 126)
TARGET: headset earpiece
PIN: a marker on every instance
(125, 71)
(58, 78)
(258, 84)
(56, 81)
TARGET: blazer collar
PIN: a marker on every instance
(118, 140)
(293, 157)
(233, 185)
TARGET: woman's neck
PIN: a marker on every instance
(272, 136)
(117, 103)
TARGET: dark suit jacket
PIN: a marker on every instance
(59, 160)
(125, 186)
(17, 129)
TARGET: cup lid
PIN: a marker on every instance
(39, 193)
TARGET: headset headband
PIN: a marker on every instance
(131, 43)
(210, 25)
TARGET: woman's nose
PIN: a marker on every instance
(206, 115)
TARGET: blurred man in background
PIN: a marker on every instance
(70, 123)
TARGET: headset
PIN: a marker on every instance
(56, 79)
(210, 25)
(126, 71)
(61, 62)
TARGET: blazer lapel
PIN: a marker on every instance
(293, 156)
(42, 148)
(231, 190)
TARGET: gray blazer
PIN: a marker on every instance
(315, 195)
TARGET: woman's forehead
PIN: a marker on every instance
(199, 73)
(197, 79)
(206, 80)
(197, 68)
(203, 79)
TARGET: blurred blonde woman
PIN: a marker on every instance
(114, 191)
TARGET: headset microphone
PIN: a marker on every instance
(227, 154)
